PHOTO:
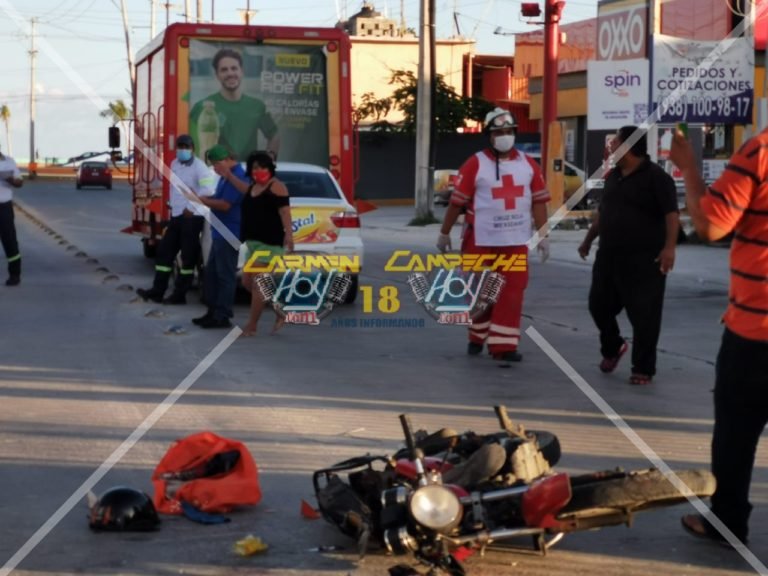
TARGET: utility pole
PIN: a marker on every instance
(199, 11)
(187, 9)
(424, 99)
(131, 66)
(32, 166)
(552, 12)
(152, 21)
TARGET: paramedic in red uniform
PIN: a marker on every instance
(501, 189)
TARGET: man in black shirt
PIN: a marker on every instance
(638, 222)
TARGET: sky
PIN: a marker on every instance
(81, 62)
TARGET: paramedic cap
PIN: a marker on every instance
(499, 119)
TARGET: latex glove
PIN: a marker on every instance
(444, 242)
(543, 249)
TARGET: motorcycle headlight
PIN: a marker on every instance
(436, 507)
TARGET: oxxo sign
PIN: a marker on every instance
(622, 35)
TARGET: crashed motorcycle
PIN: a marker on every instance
(445, 496)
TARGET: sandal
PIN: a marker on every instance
(608, 365)
(696, 525)
(640, 379)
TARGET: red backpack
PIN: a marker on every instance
(212, 473)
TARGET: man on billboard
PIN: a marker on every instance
(229, 117)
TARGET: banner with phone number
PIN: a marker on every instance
(715, 80)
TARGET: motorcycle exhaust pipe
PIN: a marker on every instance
(487, 537)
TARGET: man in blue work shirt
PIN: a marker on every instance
(221, 269)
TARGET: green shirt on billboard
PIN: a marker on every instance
(235, 124)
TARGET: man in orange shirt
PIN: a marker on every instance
(737, 202)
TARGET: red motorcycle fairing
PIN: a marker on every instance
(407, 468)
(544, 499)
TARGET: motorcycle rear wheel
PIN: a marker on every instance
(632, 492)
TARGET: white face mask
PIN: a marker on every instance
(504, 143)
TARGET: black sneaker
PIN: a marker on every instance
(513, 356)
(204, 318)
(175, 299)
(149, 295)
(212, 322)
(473, 349)
(13, 281)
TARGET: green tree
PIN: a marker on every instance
(5, 116)
(450, 113)
(119, 112)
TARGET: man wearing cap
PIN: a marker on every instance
(637, 223)
(183, 230)
(10, 178)
(501, 189)
(221, 267)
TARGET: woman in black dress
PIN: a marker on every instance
(265, 226)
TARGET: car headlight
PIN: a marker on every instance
(436, 507)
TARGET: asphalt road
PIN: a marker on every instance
(82, 366)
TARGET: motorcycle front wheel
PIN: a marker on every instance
(615, 496)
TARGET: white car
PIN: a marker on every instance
(324, 222)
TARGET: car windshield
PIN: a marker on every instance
(308, 184)
(97, 165)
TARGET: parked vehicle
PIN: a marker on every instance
(573, 176)
(476, 490)
(94, 174)
(324, 221)
(300, 74)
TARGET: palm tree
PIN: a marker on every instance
(5, 116)
(119, 112)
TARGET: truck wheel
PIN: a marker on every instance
(150, 250)
(632, 492)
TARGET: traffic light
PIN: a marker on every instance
(114, 137)
(530, 9)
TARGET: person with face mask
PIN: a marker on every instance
(183, 230)
(266, 226)
(502, 189)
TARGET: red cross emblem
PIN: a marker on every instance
(507, 192)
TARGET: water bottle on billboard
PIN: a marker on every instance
(207, 128)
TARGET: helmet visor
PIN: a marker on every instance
(502, 121)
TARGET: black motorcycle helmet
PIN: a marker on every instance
(124, 509)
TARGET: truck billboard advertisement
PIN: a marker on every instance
(252, 97)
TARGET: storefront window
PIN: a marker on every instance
(718, 140)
